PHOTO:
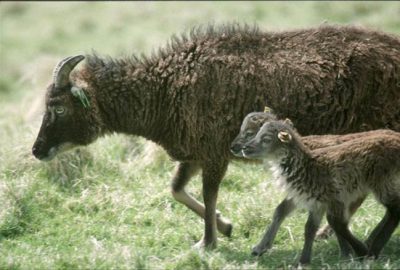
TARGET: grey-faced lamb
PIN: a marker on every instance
(333, 177)
(191, 96)
(250, 126)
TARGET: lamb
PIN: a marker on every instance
(191, 96)
(333, 177)
(249, 128)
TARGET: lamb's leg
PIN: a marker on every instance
(339, 224)
(345, 247)
(184, 172)
(213, 173)
(281, 212)
(376, 230)
(386, 228)
(314, 220)
(327, 231)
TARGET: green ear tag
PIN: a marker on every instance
(78, 92)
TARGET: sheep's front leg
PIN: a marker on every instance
(213, 173)
(314, 220)
(339, 224)
(185, 170)
(281, 212)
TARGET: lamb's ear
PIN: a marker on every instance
(284, 137)
(288, 122)
(268, 110)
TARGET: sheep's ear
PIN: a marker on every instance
(288, 122)
(284, 137)
(80, 94)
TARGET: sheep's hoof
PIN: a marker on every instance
(224, 226)
(203, 245)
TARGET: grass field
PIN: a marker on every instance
(109, 205)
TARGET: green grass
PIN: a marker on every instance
(109, 205)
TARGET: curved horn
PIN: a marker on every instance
(64, 68)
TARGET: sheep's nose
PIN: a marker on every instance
(35, 151)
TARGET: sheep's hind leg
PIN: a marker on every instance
(184, 172)
(281, 212)
(382, 233)
(213, 173)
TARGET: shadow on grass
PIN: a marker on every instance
(68, 169)
(325, 255)
(20, 217)
(275, 258)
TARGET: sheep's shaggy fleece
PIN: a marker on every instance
(192, 95)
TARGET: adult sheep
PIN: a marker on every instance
(191, 97)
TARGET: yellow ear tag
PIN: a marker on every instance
(267, 109)
(284, 137)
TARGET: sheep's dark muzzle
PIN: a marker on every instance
(39, 151)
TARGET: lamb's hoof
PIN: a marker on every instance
(301, 265)
(202, 245)
(257, 251)
(371, 255)
(324, 233)
(224, 226)
(228, 231)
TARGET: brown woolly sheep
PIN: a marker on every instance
(333, 177)
(191, 97)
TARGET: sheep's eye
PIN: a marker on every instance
(59, 110)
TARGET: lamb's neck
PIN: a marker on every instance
(297, 162)
(131, 100)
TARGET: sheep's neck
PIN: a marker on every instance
(133, 103)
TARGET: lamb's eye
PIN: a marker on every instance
(59, 110)
(266, 139)
(249, 134)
